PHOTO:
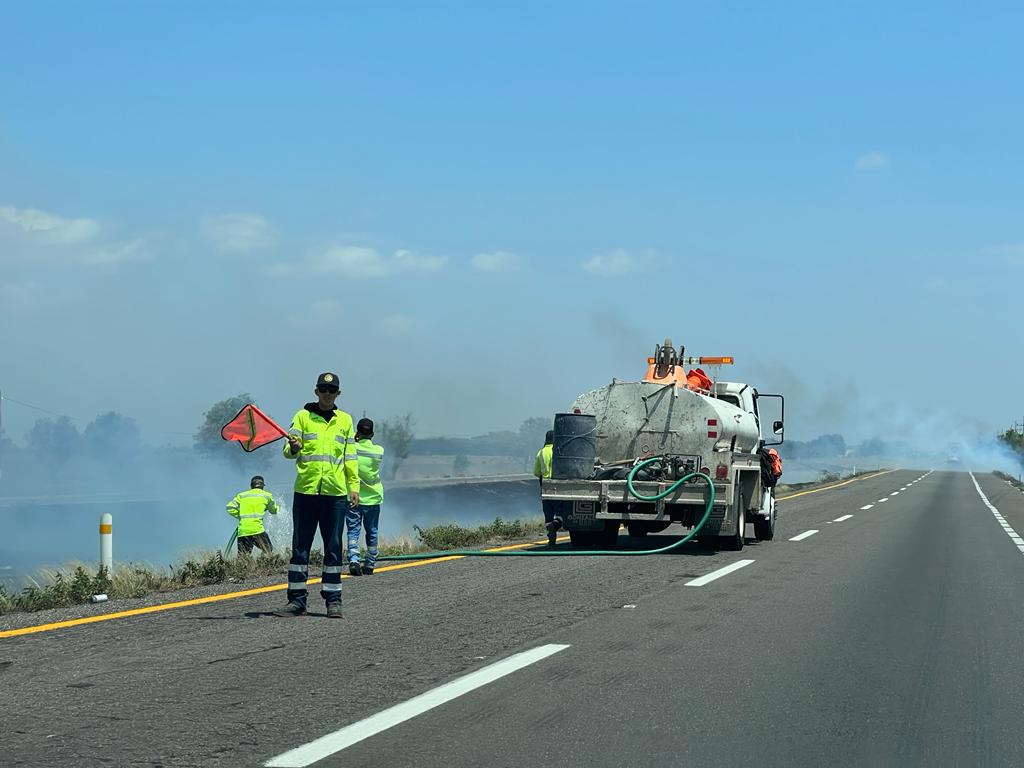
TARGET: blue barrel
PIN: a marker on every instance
(575, 446)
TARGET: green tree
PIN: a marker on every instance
(112, 434)
(208, 442)
(58, 440)
(396, 435)
(1014, 440)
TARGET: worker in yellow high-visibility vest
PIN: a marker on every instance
(322, 443)
(248, 507)
(542, 471)
(371, 496)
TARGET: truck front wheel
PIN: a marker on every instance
(764, 529)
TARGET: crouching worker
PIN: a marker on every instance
(371, 496)
(321, 441)
(542, 471)
(248, 507)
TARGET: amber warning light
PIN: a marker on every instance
(707, 361)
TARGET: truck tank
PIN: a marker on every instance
(636, 419)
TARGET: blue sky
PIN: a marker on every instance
(474, 211)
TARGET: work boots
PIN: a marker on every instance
(293, 609)
(334, 610)
(354, 569)
(552, 529)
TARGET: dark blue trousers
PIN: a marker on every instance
(308, 513)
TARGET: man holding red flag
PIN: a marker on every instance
(322, 442)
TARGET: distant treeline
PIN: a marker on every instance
(492, 444)
(835, 446)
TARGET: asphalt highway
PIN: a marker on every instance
(882, 626)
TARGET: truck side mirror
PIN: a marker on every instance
(777, 427)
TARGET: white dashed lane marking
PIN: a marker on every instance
(332, 743)
(709, 577)
(803, 535)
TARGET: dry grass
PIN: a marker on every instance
(75, 583)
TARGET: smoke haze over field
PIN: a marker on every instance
(479, 261)
(485, 218)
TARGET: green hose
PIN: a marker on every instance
(573, 553)
(227, 548)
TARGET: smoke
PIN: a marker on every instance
(167, 504)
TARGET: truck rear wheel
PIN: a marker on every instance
(734, 542)
(584, 539)
(609, 537)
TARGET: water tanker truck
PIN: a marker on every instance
(603, 450)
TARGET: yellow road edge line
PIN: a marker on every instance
(230, 595)
(277, 587)
(837, 485)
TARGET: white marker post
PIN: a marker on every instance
(107, 542)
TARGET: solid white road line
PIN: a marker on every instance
(328, 745)
(1014, 536)
(844, 517)
(803, 535)
(709, 577)
(867, 506)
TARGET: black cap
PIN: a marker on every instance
(549, 437)
(364, 426)
(328, 380)
(256, 479)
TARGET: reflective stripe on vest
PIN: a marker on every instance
(325, 464)
(370, 456)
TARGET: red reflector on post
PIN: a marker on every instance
(721, 472)
(712, 434)
(712, 422)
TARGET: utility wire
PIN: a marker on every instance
(73, 418)
(37, 408)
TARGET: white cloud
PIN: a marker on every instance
(357, 261)
(49, 228)
(133, 250)
(409, 261)
(352, 261)
(237, 232)
(496, 261)
(325, 310)
(397, 324)
(610, 264)
(872, 161)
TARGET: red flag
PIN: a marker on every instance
(252, 428)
